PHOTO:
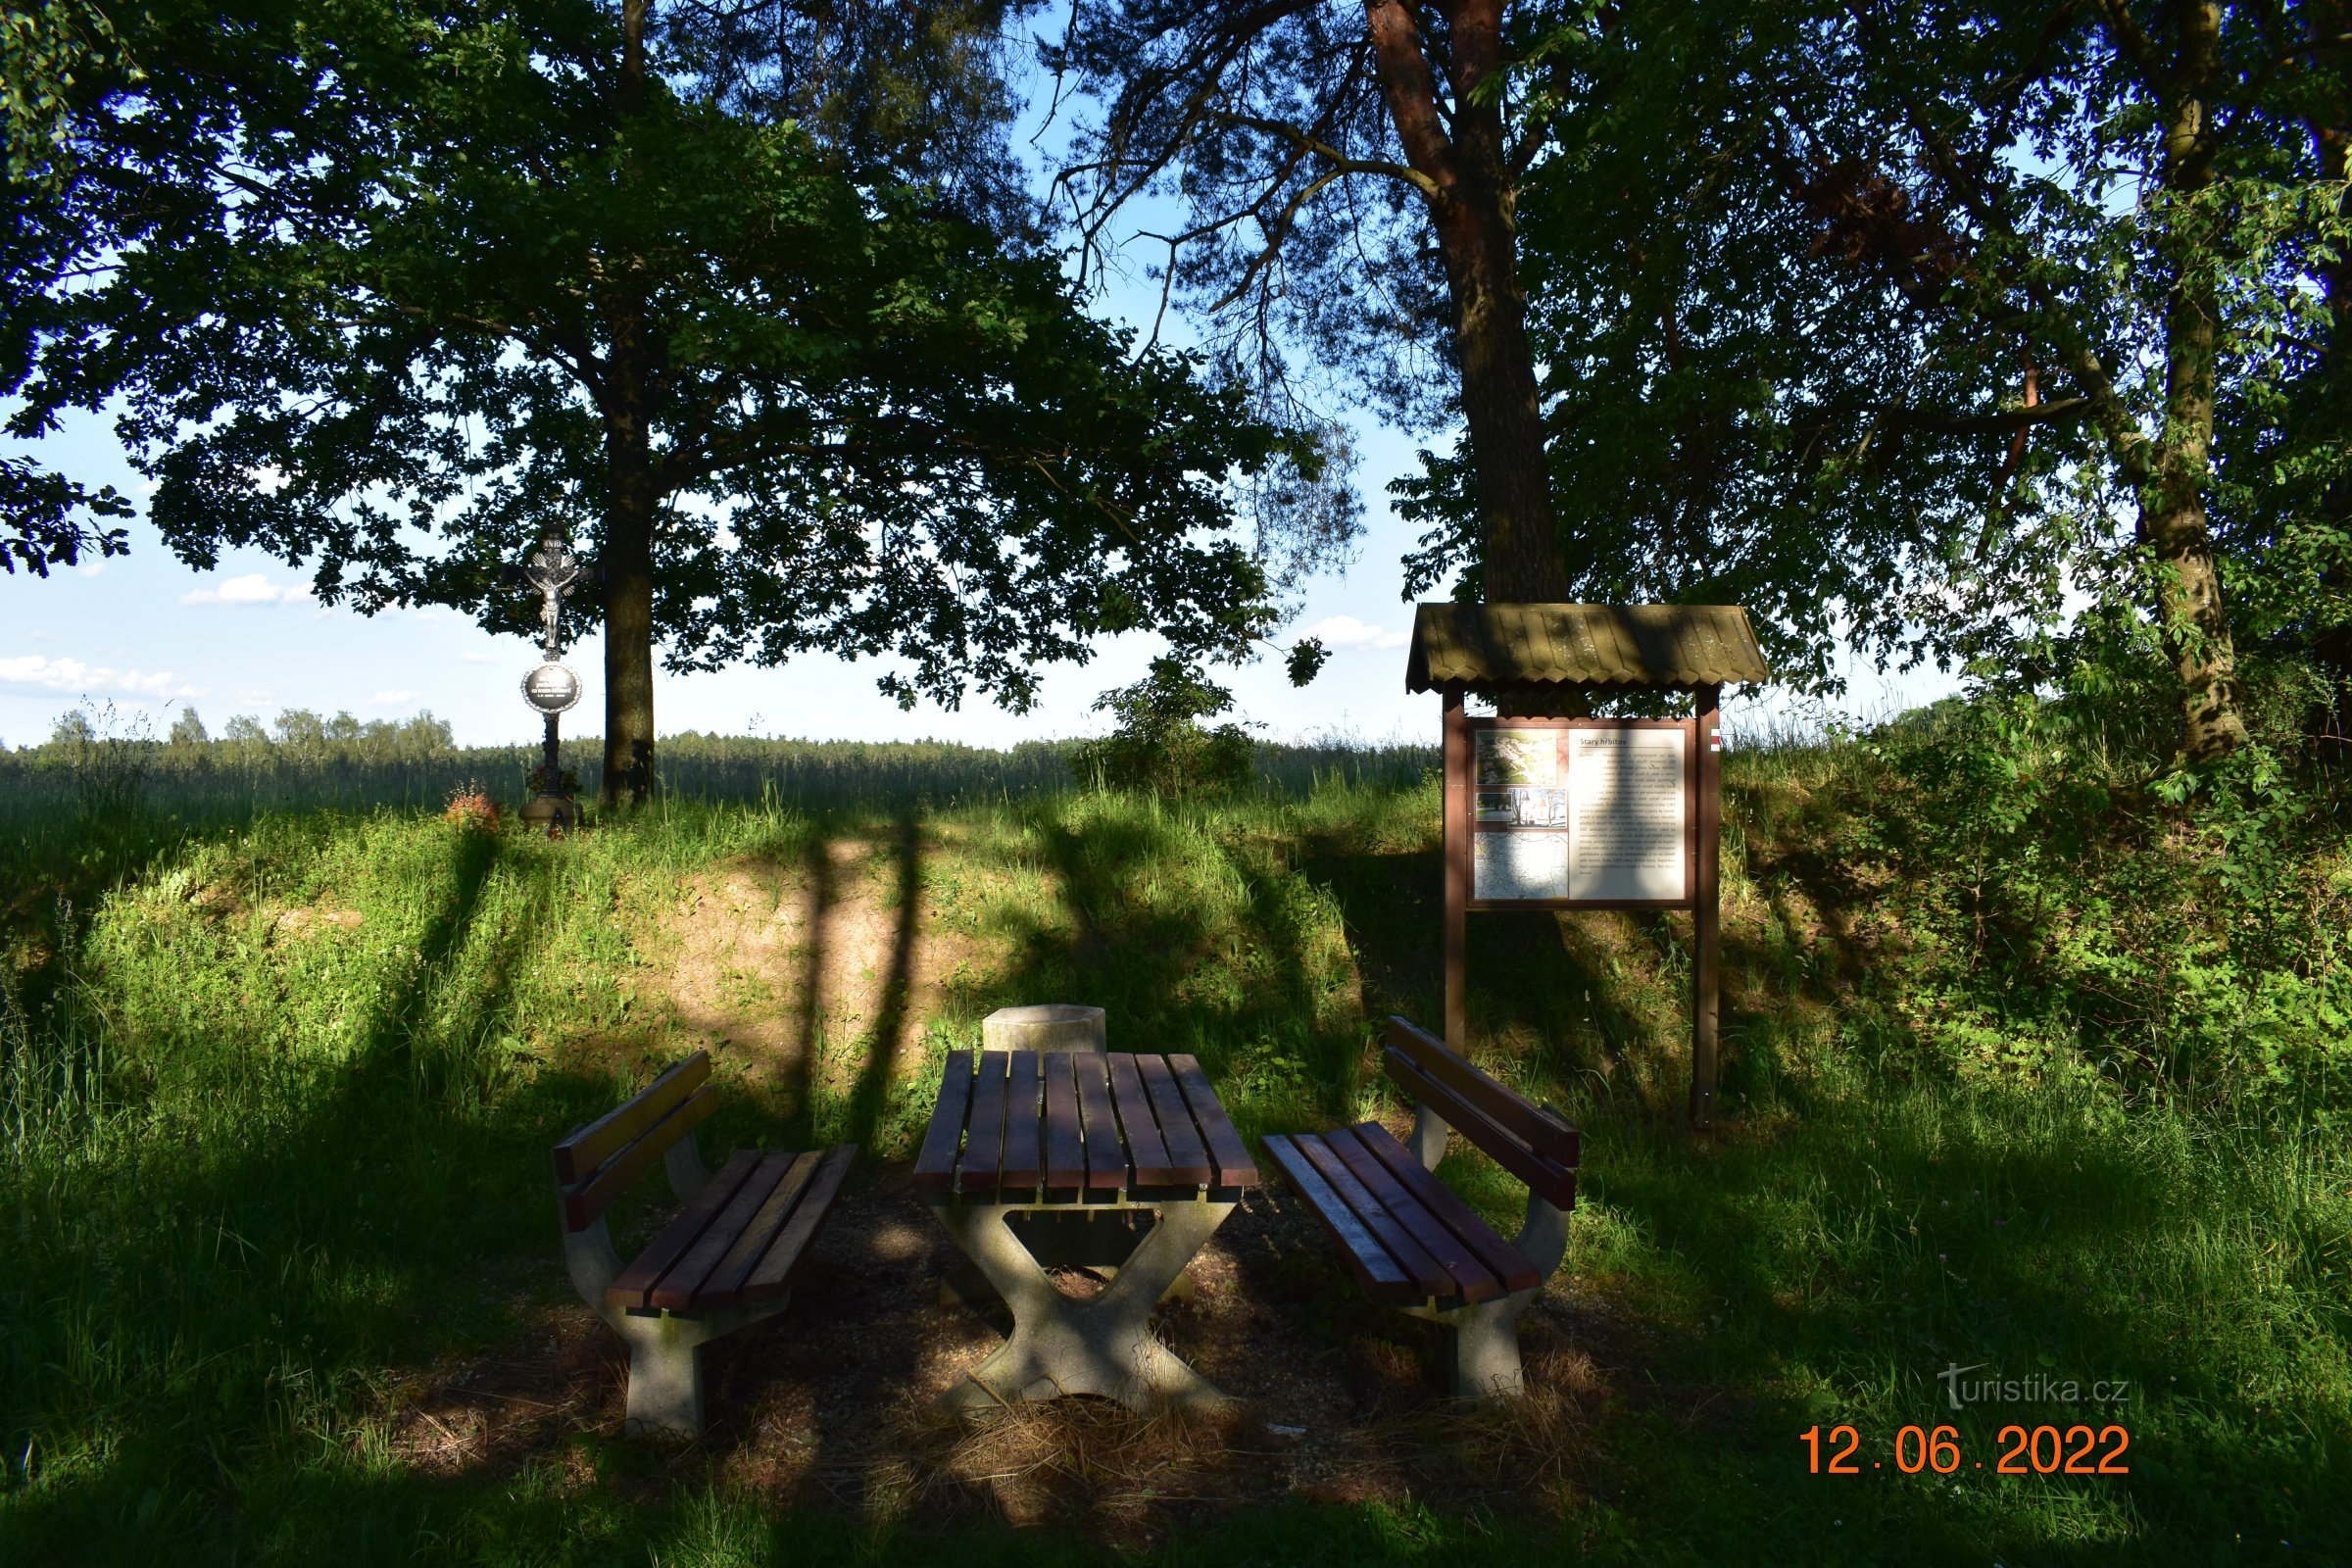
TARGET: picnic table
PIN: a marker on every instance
(1082, 1145)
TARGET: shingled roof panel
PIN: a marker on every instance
(1488, 648)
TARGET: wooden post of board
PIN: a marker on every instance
(1456, 850)
(1706, 908)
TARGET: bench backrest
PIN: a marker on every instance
(597, 1163)
(1533, 1143)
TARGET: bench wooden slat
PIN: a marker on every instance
(580, 1154)
(1506, 1260)
(1231, 1156)
(1105, 1155)
(1188, 1157)
(682, 1282)
(1383, 1278)
(693, 1218)
(1538, 1127)
(1149, 1154)
(1470, 1279)
(772, 1277)
(725, 1282)
(1381, 1217)
(1023, 1168)
(1554, 1182)
(935, 1166)
(1065, 1142)
(984, 1141)
(591, 1197)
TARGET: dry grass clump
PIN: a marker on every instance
(1537, 1448)
(1076, 1458)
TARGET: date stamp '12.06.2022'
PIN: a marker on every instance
(2042, 1449)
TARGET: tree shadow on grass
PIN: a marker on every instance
(1223, 982)
(887, 1044)
(284, 1247)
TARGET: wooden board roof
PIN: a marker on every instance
(1492, 647)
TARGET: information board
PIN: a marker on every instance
(1582, 812)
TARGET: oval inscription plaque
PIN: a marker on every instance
(551, 689)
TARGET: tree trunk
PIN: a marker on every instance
(1469, 189)
(628, 566)
(2173, 522)
(1468, 186)
(628, 552)
(1521, 554)
(2332, 141)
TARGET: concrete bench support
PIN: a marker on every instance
(1486, 1334)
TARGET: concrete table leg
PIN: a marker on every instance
(1102, 1346)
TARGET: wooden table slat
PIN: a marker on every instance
(1499, 1254)
(1065, 1143)
(1022, 1170)
(983, 1142)
(684, 1279)
(1383, 1277)
(1473, 1280)
(1148, 1153)
(1381, 1217)
(1231, 1155)
(772, 1276)
(725, 1282)
(693, 1218)
(1106, 1167)
(935, 1166)
(1188, 1157)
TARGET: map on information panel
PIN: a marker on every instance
(1588, 814)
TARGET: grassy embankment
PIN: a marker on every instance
(2019, 1075)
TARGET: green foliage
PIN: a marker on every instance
(1159, 743)
(390, 327)
(1884, 322)
(2044, 914)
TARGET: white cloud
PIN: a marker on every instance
(394, 698)
(250, 589)
(72, 676)
(1346, 631)
(473, 657)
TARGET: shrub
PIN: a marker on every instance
(1159, 744)
(471, 809)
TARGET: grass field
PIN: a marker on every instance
(279, 1081)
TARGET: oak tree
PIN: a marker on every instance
(382, 286)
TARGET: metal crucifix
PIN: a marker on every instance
(552, 688)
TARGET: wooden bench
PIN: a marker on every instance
(1409, 1239)
(725, 1261)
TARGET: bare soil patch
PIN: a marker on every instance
(778, 963)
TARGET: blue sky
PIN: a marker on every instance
(150, 635)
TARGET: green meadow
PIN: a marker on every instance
(2027, 1070)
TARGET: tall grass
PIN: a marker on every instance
(277, 1088)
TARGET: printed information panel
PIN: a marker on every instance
(1589, 813)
